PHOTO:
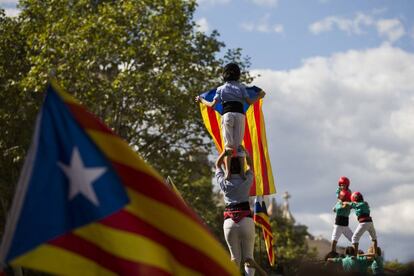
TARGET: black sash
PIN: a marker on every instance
(342, 221)
(233, 107)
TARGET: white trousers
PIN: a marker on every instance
(362, 227)
(232, 125)
(339, 230)
(240, 240)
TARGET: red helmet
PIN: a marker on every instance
(356, 197)
(345, 195)
(343, 180)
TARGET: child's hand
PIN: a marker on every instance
(197, 99)
(262, 94)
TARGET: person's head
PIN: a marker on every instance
(344, 195)
(343, 183)
(235, 167)
(231, 72)
(350, 250)
(331, 254)
(357, 197)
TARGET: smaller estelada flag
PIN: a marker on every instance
(261, 219)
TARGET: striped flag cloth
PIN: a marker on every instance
(254, 138)
(261, 219)
(86, 204)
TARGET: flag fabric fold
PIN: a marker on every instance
(254, 141)
(261, 219)
(87, 204)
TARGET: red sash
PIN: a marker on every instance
(237, 216)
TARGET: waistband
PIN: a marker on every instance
(241, 206)
(364, 218)
(233, 106)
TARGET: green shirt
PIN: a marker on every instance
(342, 211)
(378, 266)
(360, 208)
(354, 264)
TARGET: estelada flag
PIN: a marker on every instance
(254, 138)
(86, 204)
(261, 219)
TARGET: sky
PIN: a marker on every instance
(339, 77)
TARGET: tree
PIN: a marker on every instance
(136, 64)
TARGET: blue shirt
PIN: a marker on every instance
(235, 190)
(231, 91)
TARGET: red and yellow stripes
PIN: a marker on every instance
(261, 219)
(155, 234)
(254, 141)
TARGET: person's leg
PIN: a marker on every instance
(335, 237)
(227, 163)
(227, 125)
(238, 132)
(247, 243)
(373, 235)
(357, 235)
(231, 235)
(348, 233)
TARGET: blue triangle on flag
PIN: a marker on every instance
(54, 202)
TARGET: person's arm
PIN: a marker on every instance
(252, 101)
(334, 260)
(249, 161)
(219, 172)
(220, 160)
(199, 99)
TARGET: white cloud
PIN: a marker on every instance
(263, 26)
(391, 29)
(347, 114)
(202, 25)
(350, 26)
(266, 3)
(278, 28)
(12, 12)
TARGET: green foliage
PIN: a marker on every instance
(396, 267)
(136, 64)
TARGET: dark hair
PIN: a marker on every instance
(235, 165)
(350, 250)
(231, 72)
(331, 254)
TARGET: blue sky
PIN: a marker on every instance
(340, 101)
(279, 34)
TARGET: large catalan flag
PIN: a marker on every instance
(254, 138)
(86, 204)
(261, 219)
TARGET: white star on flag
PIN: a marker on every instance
(81, 178)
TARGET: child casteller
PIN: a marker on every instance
(232, 94)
